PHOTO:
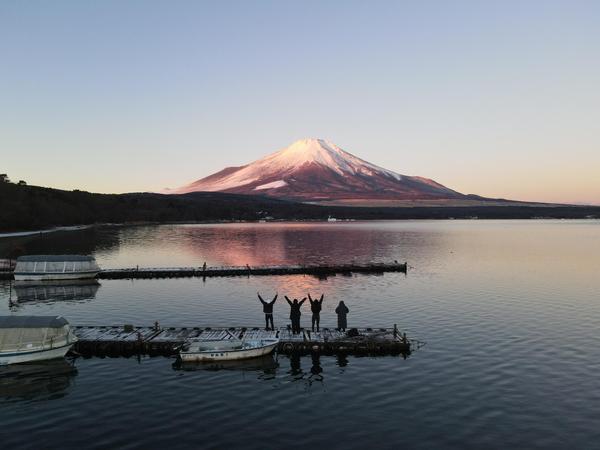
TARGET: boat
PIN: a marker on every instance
(34, 338)
(331, 219)
(198, 350)
(55, 267)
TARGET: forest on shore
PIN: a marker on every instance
(24, 208)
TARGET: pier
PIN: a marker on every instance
(236, 271)
(127, 340)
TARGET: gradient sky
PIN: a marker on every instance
(500, 99)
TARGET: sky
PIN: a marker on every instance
(500, 99)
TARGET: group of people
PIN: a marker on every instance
(295, 312)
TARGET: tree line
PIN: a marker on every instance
(24, 207)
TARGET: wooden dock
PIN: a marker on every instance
(321, 271)
(236, 271)
(128, 340)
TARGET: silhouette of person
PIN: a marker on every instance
(295, 313)
(268, 310)
(315, 307)
(342, 311)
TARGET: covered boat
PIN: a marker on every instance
(34, 338)
(226, 350)
(55, 267)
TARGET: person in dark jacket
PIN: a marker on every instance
(342, 311)
(315, 307)
(268, 310)
(295, 313)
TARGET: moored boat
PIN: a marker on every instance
(55, 267)
(34, 338)
(226, 350)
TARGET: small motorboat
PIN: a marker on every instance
(34, 338)
(226, 350)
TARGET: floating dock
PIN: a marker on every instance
(128, 340)
(237, 271)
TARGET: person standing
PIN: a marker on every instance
(342, 311)
(295, 313)
(268, 310)
(315, 307)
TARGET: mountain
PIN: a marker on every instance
(315, 170)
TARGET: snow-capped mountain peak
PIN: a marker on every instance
(318, 170)
(323, 153)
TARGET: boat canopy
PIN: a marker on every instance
(55, 264)
(32, 322)
(55, 258)
(26, 333)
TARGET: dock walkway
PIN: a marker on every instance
(236, 271)
(232, 271)
(128, 340)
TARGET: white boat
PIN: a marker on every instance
(55, 267)
(226, 350)
(331, 219)
(34, 338)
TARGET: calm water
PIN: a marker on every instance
(510, 312)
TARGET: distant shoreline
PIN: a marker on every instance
(229, 222)
(30, 210)
(44, 231)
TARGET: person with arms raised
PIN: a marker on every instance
(268, 310)
(315, 307)
(295, 313)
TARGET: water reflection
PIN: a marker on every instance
(82, 242)
(50, 291)
(295, 366)
(266, 364)
(316, 370)
(40, 381)
(242, 244)
(342, 360)
(296, 373)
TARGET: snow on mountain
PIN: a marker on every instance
(272, 185)
(318, 170)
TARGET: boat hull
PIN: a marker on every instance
(227, 355)
(35, 355)
(22, 276)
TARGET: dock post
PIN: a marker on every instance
(395, 331)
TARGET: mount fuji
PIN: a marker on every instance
(318, 171)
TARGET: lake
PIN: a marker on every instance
(509, 312)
